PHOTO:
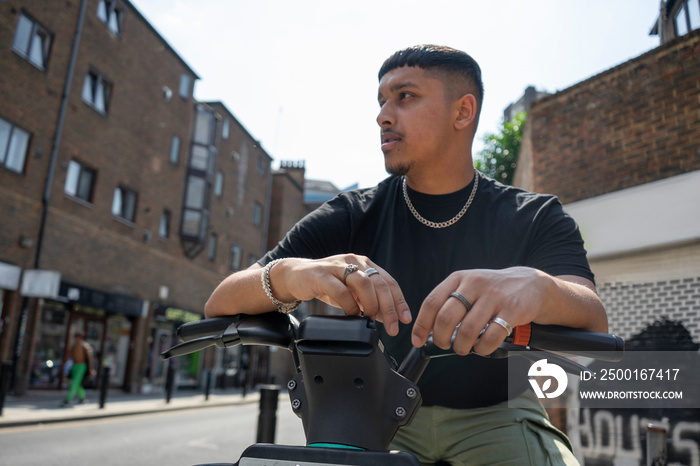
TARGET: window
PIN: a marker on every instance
(32, 41)
(111, 15)
(687, 17)
(199, 181)
(236, 255)
(80, 181)
(124, 203)
(14, 142)
(213, 238)
(164, 225)
(175, 150)
(262, 164)
(257, 214)
(219, 184)
(185, 86)
(96, 91)
(226, 128)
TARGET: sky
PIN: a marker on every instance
(301, 76)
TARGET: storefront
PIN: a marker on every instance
(188, 368)
(107, 321)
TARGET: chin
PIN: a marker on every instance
(397, 169)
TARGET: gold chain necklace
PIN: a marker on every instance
(449, 222)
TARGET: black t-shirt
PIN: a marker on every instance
(504, 227)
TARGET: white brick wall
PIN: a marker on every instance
(633, 306)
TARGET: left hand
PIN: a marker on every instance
(516, 295)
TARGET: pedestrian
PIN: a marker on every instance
(81, 356)
(436, 248)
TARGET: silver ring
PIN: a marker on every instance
(503, 323)
(371, 271)
(348, 270)
(462, 299)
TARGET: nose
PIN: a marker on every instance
(385, 118)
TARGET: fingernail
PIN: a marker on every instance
(407, 316)
(394, 328)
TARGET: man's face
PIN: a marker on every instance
(415, 119)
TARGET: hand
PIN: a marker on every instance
(516, 295)
(378, 296)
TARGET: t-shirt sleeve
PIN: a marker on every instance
(558, 247)
(323, 232)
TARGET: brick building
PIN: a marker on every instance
(622, 152)
(124, 201)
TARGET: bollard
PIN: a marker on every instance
(169, 382)
(656, 444)
(5, 375)
(104, 386)
(207, 385)
(267, 420)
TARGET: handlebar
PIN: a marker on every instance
(341, 354)
(280, 330)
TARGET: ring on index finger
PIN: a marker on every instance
(462, 299)
(348, 270)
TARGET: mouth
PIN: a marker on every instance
(389, 140)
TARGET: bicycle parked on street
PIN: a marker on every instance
(351, 396)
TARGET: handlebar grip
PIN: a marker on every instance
(596, 345)
(202, 328)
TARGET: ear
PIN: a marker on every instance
(466, 111)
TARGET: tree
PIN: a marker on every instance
(499, 157)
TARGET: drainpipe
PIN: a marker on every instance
(59, 129)
(22, 326)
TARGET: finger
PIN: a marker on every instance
(341, 295)
(425, 321)
(492, 337)
(364, 292)
(472, 326)
(448, 318)
(398, 301)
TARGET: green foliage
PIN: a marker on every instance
(499, 157)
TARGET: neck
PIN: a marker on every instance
(441, 184)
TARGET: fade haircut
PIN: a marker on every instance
(458, 71)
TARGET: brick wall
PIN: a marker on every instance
(639, 304)
(635, 123)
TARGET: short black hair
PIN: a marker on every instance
(447, 62)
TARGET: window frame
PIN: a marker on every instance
(26, 51)
(219, 184)
(6, 151)
(107, 86)
(164, 228)
(125, 194)
(236, 258)
(175, 150)
(683, 9)
(83, 169)
(111, 7)
(212, 246)
(257, 214)
(185, 80)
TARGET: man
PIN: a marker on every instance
(445, 248)
(81, 354)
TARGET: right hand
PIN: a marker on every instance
(378, 296)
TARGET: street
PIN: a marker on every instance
(173, 438)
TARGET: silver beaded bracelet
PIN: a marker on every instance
(284, 308)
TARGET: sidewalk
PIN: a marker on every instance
(42, 406)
